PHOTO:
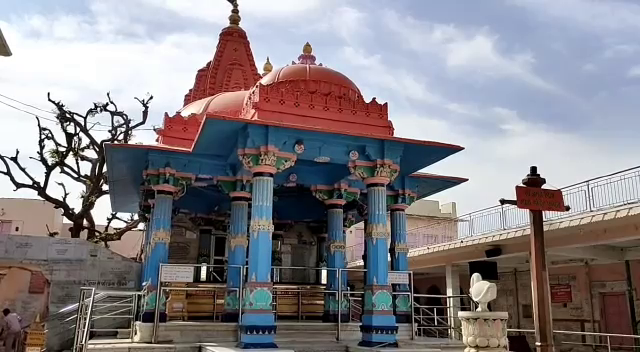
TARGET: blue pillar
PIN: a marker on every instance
(237, 245)
(258, 327)
(158, 250)
(399, 261)
(335, 259)
(378, 322)
(145, 252)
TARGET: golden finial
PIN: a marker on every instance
(307, 49)
(267, 68)
(234, 18)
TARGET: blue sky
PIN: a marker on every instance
(555, 83)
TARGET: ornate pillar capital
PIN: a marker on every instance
(338, 194)
(168, 180)
(234, 184)
(400, 200)
(378, 171)
(267, 159)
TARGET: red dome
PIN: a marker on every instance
(225, 104)
(299, 72)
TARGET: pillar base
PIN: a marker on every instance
(378, 344)
(333, 317)
(149, 317)
(257, 336)
(257, 345)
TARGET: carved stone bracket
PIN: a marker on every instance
(397, 200)
(167, 179)
(266, 156)
(336, 192)
(230, 184)
(379, 168)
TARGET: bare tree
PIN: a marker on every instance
(75, 151)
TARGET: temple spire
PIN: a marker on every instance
(234, 18)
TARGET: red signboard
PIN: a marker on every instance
(539, 199)
(561, 294)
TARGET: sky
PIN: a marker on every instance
(516, 82)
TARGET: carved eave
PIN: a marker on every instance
(318, 104)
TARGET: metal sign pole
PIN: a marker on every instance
(536, 199)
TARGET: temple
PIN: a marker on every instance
(253, 182)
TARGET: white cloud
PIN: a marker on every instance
(589, 67)
(500, 142)
(592, 15)
(466, 50)
(634, 72)
(210, 10)
(620, 50)
(80, 57)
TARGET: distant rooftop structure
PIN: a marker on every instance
(4, 46)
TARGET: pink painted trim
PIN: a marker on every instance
(186, 175)
(224, 178)
(398, 207)
(240, 194)
(321, 188)
(335, 201)
(264, 168)
(168, 188)
(166, 170)
(376, 179)
(353, 190)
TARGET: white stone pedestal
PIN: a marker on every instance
(484, 331)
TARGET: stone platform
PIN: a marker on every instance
(291, 336)
(203, 332)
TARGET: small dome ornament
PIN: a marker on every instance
(298, 148)
(307, 58)
(307, 49)
(267, 68)
(234, 18)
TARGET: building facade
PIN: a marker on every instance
(428, 223)
(258, 175)
(36, 217)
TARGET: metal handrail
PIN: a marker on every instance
(87, 306)
(585, 333)
(599, 193)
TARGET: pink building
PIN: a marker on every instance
(428, 223)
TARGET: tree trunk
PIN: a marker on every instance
(76, 229)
